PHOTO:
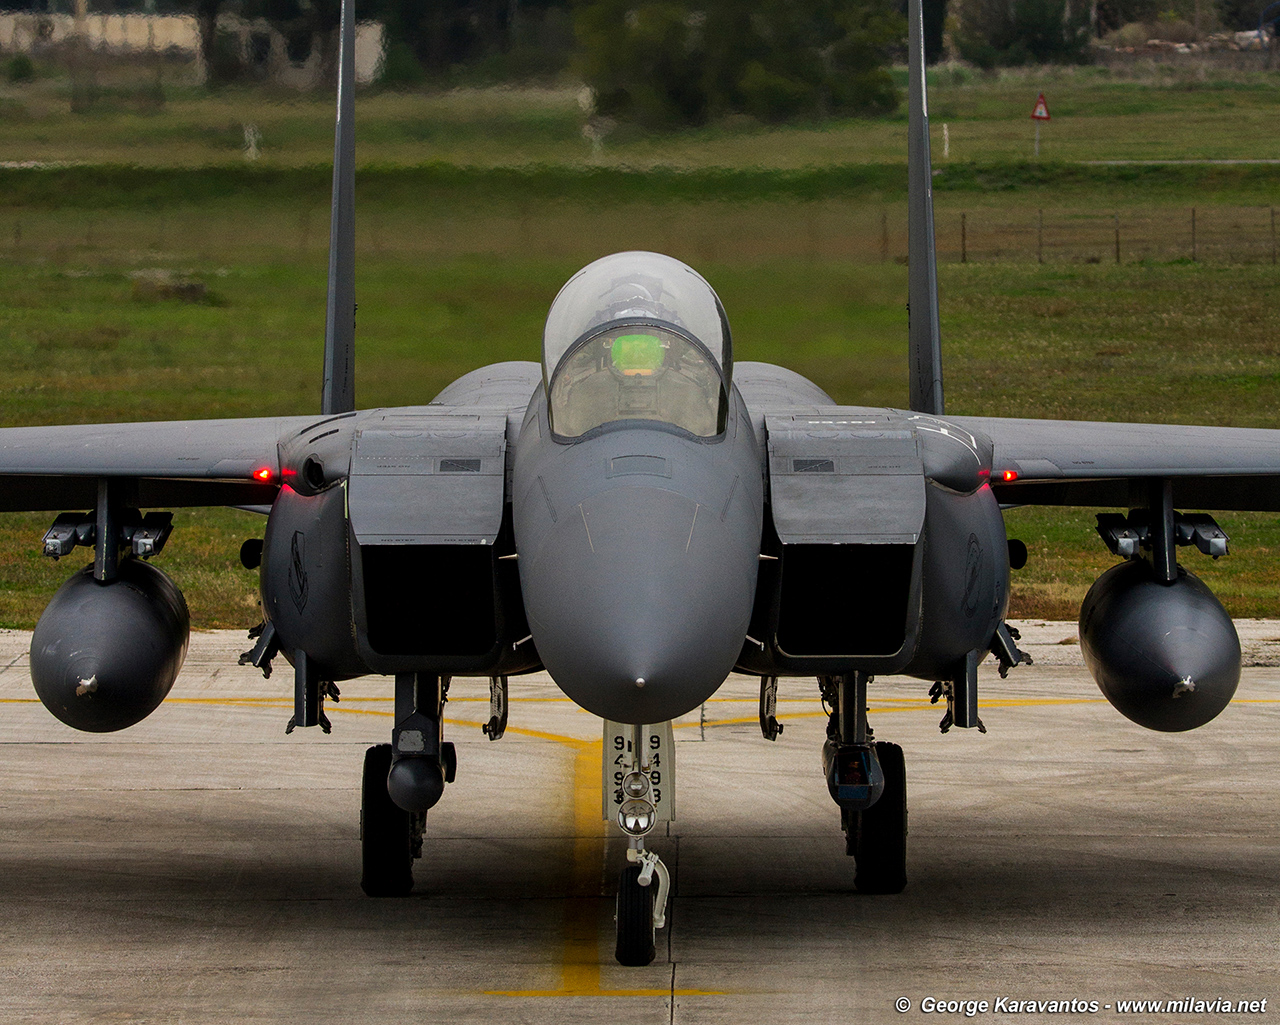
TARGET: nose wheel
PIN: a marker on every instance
(638, 762)
(641, 906)
(634, 918)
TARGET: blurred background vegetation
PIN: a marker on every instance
(670, 62)
(164, 219)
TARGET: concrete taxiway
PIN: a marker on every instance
(204, 867)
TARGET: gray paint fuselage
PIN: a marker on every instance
(639, 546)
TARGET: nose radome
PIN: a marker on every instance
(638, 600)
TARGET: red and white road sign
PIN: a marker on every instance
(1041, 113)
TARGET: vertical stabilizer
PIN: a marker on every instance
(339, 394)
(922, 276)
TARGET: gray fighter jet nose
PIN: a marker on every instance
(639, 600)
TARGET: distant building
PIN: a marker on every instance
(262, 48)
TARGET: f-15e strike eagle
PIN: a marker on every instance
(639, 516)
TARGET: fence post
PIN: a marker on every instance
(964, 254)
(1117, 216)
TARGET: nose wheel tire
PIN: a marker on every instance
(877, 837)
(634, 919)
(388, 836)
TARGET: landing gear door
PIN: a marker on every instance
(658, 754)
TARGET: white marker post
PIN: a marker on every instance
(1040, 113)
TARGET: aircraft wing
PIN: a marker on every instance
(1032, 462)
(1074, 462)
(175, 463)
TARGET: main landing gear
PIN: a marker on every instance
(390, 837)
(868, 780)
(401, 782)
(876, 837)
(639, 911)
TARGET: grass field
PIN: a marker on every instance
(1098, 114)
(1173, 342)
(457, 269)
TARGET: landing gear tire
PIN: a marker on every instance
(877, 837)
(387, 832)
(634, 920)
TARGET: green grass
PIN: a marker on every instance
(1097, 115)
(1065, 556)
(440, 186)
(202, 557)
(1163, 342)
(801, 229)
(80, 346)
(1171, 343)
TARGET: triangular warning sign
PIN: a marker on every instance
(1041, 113)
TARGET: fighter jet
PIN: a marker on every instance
(639, 515)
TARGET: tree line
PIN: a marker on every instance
(686, 62)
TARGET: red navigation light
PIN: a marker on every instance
(1009, 475)
(263, 474)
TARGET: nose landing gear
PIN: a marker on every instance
(633, 915)
(637, 759)
(640, 912)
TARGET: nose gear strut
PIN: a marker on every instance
(650, 864)
(638, 769)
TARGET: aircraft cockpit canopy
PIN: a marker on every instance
(637, 336)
